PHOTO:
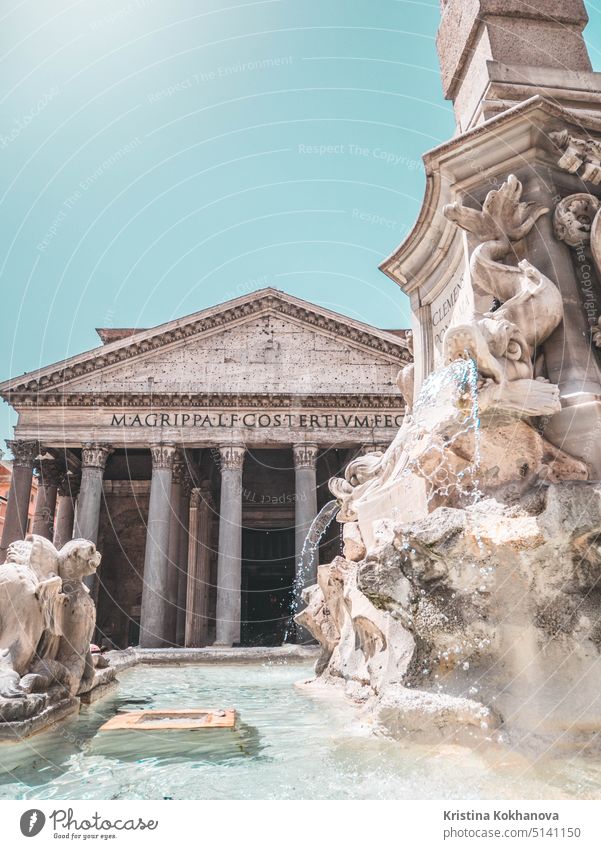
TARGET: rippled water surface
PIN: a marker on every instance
(291, 745)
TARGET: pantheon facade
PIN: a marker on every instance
(196, 454)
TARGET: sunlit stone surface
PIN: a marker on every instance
(47, 621)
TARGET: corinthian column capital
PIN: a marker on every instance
(201, 495)
(180, 468)
(187, 485)
(50, 472)
(305, 455)
(232, 457)
(69, 485)
(163, 456)
(94, 455)
(24, 452)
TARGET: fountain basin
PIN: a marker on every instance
(308, 744)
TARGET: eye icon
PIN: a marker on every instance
(32, 822)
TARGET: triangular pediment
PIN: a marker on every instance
(266, 342)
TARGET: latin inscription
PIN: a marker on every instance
(258, 420)
(442, 314)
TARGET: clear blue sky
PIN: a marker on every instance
(160, 156)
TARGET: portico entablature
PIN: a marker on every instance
(371, 420)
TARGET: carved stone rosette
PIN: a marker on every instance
(577, 222)
(305, 455)
(24, 452)
(232, 457)
(163, 456)
(95, 454)
(573, 218)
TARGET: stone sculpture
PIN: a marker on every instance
(577, 223)
(573, 219)
(528, 306)
(579, 156)
(434, 444)
(444, 620)
(47, 620)
(470, 619)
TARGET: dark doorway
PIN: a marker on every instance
(267, 579)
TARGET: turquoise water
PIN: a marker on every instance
(292, 746)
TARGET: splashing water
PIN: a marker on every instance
(449, 385)
(306, 567)
(450, 392)
(455, 388)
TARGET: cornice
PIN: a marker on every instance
(150, 341)
(451, 169)
(175, 401)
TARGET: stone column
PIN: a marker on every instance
(68, 488)
(229, 559)
(192, 597)
(175, 527)
(154, 615)
(182, 574)
(17, 507)
(45, 505)
(305, 456)
(87, 514)
(199, 568)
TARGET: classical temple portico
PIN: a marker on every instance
(196, 455)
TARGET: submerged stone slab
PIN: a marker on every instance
(187, 719)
